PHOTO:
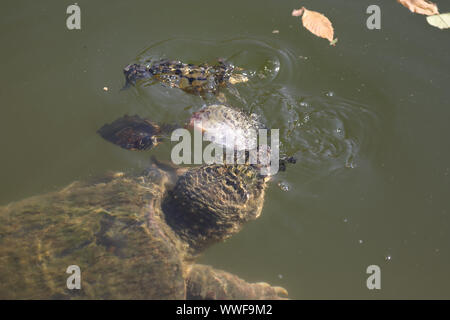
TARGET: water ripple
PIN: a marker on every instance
(325, 132)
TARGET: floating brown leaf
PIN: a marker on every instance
(420, 6)
(441, 21)
(316, 23)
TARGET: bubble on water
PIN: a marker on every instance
(304, 104)
(280, 276)
(283, 186)
(388, 257)
(270, 69)
(330, 94)
(350, 165)
(306, 118)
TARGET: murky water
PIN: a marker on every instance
(367, 120)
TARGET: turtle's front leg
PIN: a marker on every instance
(206, 283)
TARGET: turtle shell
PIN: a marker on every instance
(196, 79)
(227, 126)
(111, 228)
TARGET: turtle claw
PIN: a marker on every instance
(272, 292)
(280, 291)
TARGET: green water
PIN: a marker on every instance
(367, 119)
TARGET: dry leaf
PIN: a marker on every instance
(441, 21)
(316, 23)
(420, 6)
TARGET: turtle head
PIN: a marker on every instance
(211, 203)
(134, 72)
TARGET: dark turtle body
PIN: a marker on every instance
(195, 79)
(130, 237)
(132, 133)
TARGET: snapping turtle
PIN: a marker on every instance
(130, 237)
(195, 79)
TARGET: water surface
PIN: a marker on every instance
(367, 119)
